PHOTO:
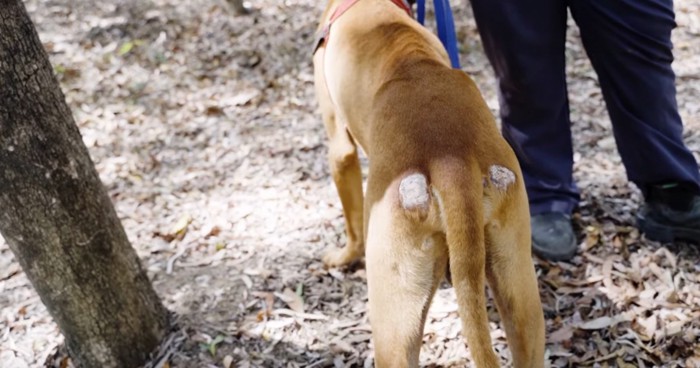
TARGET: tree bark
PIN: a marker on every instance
(57, 218)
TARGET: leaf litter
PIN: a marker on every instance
(203, 126)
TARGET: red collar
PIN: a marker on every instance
(347, 4)
(342, 8)
(405, 5)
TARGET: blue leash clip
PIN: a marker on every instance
(445, 26)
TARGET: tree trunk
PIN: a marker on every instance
(57, 217)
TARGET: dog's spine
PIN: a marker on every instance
(460, 189)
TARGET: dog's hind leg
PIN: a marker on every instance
(347, 175)
(404, 268)
(346, 172)
(512, 278)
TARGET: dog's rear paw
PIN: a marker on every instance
(338, 257)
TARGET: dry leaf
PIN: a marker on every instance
(598, 323)
(292, 299)
(564, 333)
(180, 227)
(214, 231)
(227, 361)
(340, 346)
(648, 326)
(214, 111)
(592, 237)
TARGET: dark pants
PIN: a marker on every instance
(629, 45)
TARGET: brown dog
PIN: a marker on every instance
(443, 185)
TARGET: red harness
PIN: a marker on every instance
(322, 35)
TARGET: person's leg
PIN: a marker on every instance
(524, 41)
(629, 44)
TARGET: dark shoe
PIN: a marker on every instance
(671, 212)
(553, 236)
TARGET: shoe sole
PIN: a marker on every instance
(559, 257)
(547, 255)
(667, 234)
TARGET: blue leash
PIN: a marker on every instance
(445, 27)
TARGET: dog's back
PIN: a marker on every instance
(360, 48)
(435, 110)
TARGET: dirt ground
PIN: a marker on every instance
(204, 128)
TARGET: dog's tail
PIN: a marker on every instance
(459, 191)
